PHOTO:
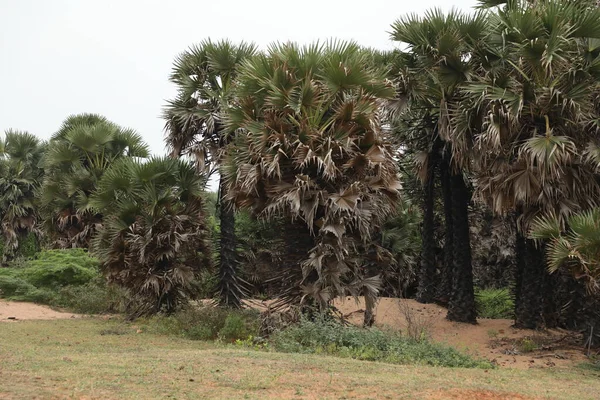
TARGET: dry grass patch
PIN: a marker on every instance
(73, 359)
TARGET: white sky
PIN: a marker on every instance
(61, 57)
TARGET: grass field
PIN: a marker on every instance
(94, 358)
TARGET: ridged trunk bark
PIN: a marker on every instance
(531, 277)
(461, 307)
(426, 288)
(298, 243)
(230, 286)
(445, 282)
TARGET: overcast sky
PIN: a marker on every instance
(62, 57)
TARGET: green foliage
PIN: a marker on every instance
(20, 177)
(62, 278)
(527, 345)
(328, 337)
(206, 323)
(58, 268)
(94, 297)
(576, 248)
(494, 303)
(401, 236)
(28, 246)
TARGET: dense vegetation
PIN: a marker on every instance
(463, 169)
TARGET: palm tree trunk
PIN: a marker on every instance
(230, 286)
(461, 307)
(298, 243)
(529, 301)
(445, 282)
(426, 288)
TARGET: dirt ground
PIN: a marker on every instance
(493, 339)
(11, 311)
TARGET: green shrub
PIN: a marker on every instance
(28, 246)
(94, 297)
(58, 268)
(62, 278)
(494, 303)
(328, 337)
(206, 323)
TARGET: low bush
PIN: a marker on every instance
(206, 323)
(62, 278)
(323, 336)
(494, 303)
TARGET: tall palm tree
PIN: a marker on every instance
(530, 115)
(311, 148)
(77, 157)
(205, 76)
(154, 239)
(20, 176)
(442, 54)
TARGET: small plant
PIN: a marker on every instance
(492, 333)
(527, 345)
(417, 327)
(494, 303)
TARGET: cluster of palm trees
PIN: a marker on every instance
(93, 186)
(498, 106)
(503, 101)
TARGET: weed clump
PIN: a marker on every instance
(206, 323)
(322, 336)
(494, 303)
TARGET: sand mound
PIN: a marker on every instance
(494, 339)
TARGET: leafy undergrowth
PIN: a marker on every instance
(206, 323)
(494, 303)
(329, 337)
(93, 358)
(320, 336)
(61, 278)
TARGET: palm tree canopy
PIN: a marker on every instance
(532, 115)
(154, 239)
(77, 157)
(311, 147)
(205, 78)
(20, 176)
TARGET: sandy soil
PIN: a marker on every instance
(494, 339)
(11, 311)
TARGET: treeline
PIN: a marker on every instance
(497, 108)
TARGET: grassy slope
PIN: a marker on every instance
(85, 358)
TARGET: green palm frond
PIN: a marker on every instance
(77, 157)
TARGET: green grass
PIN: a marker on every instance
(96, 359)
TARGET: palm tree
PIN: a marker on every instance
(529, 115)
(576, 250)
(20, 176)
(154, 240)
(311, 149)
(205, 76)
(442, 55)
(77, 157)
